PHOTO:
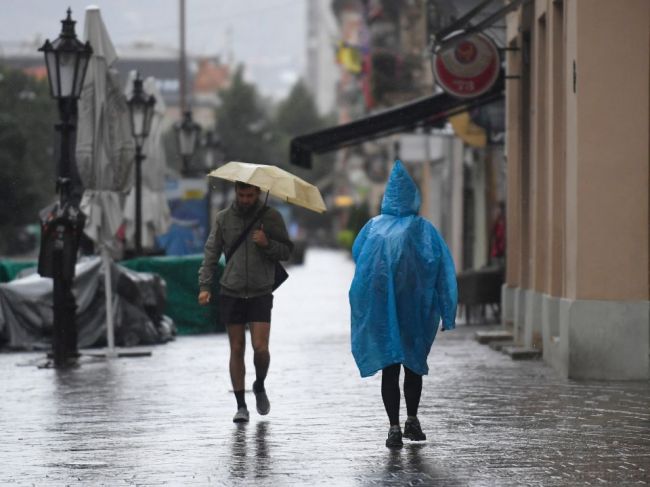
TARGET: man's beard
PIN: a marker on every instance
(246, 210)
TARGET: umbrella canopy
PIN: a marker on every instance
(156, 216)
(105, 149)
(278, 182)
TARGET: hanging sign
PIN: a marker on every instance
(467, 68)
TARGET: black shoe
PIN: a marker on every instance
(394, 439)
(241, 416)
(262, 402)
(413, 431)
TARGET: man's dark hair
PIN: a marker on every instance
(242, 185)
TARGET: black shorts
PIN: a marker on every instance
(238, 311)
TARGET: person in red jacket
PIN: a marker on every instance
(498, 236)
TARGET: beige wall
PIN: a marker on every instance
(518, 118)
(581, 158)
(578, 154)
(539, 153)
(556, 132)
(610, 187)
(513, 118)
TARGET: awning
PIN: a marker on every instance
(424, 112)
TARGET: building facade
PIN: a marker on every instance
(321, 70)
(578, 113)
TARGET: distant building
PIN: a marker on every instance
(322, 72)
(205, 76)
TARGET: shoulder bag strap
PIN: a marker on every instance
(243, 235)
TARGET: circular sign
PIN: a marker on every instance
(469, 67)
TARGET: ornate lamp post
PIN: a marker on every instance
(187, 137)
(141, 111)
(66, 60)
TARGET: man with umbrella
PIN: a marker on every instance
(254, 239)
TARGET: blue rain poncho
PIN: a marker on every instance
(404, 283)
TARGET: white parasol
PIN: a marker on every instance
(105, 150)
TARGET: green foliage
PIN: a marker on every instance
(243, 124)
(298, 113)
(345, 239)
(359, 216)
(27, 162)
(254, 130)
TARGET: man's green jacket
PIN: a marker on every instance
(250, 271)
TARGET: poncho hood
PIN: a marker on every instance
(402, 196)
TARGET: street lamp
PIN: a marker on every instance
(66, 60)
(187, 137)
(141, 114)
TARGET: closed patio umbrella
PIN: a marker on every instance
(105, 150)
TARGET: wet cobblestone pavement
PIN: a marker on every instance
(166, 419)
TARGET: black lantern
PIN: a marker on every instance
(66, 59)
(187, 136)
(141, 110)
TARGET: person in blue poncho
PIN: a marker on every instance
(403, 287)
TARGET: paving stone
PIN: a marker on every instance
(522, 353)
(498, 346)
(490, 336)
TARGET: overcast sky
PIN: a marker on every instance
(268, 36)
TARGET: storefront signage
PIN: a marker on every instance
(467, 68)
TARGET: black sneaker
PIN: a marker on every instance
(394, 439)
(261, 401)
(413, 431)
(241, 416)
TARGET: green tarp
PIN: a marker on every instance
(9, 269)
(181, 275)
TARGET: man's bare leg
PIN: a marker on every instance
(237, 339)
(260, 332)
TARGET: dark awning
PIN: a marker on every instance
(424, 112)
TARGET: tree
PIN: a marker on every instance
(298, 115)
(27, 137)
(244, 126)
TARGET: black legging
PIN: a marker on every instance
(391, 395)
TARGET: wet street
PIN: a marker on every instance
(166, 419)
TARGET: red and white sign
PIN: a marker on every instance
(469, 67)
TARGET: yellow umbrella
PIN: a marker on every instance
(278, 182)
